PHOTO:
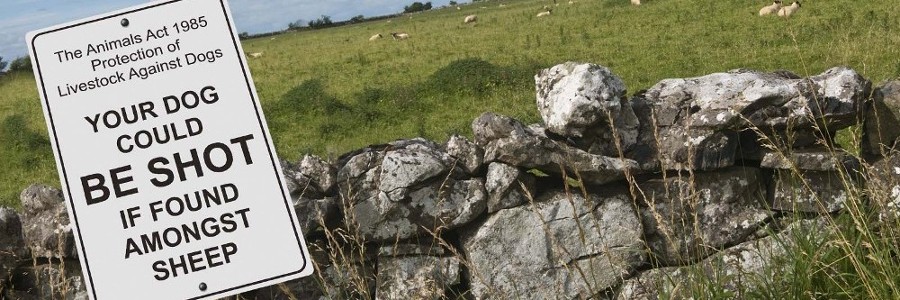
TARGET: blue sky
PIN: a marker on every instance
(255, 16)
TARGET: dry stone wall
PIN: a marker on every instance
(611, 196)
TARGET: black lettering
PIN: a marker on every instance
(117, 182)
(228, 224)
(162, 272)
(176, 105)
(244, 148)
(151, 243)
(89, 188)
(211, 254)
(228, 250)
(121, 147)
(131, 247)
(181, 264)
(182, 165)
(209, 94)
(243, 213)
(229, 197)
(208, 160)
(193, 258)
(93, 121)
(168, 175)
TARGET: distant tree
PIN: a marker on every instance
(357, 19)
(2, 64)
(453, 3)
(244, 35)
(321, 22)
(416, 7)
(20, 64)
(296, 25)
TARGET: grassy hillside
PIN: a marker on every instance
(329, 91)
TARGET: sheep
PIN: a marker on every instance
(636, 2)
(501, 5)
(770, 9)
(399, 35)
(544, 14)
(255, 54)
(470, 19)
(375, 37)
(787, 11)
(457, 8)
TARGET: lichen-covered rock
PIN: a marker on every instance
(882, 118)
(586, 101)
(314, 213)
(811, 191)
(703, 114)
(45, 223)
(507, 186)
(735, 271)
(399, 190)
(565, 246)
(686, 219)
(490, 126)
(812, 159)
(525, 148)
(467, 153)
(12, 244)
(314, 176)
(883, 186)
(416, 277)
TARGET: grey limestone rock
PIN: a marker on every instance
(565, 246)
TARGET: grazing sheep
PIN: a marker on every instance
(375, 37)
(457, 8)
(399, 35)
(544, 14)
(255, 54)
(787, 11)
(470, 19)
(636, 2)
(501, 5)
(770, 9)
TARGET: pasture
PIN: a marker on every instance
(332, 90)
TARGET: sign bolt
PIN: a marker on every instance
(124, 22)
(203, 286)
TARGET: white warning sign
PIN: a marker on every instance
(164, 155)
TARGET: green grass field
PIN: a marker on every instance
(330, 91)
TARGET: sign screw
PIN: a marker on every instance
(124, 22)
(203, 286)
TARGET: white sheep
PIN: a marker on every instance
(457, 8)
(787, 11)
(636, 2)
(770, 9)
(255, 54)
(470, 19)
(544, 14)
(375, 37)
(399, 35)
